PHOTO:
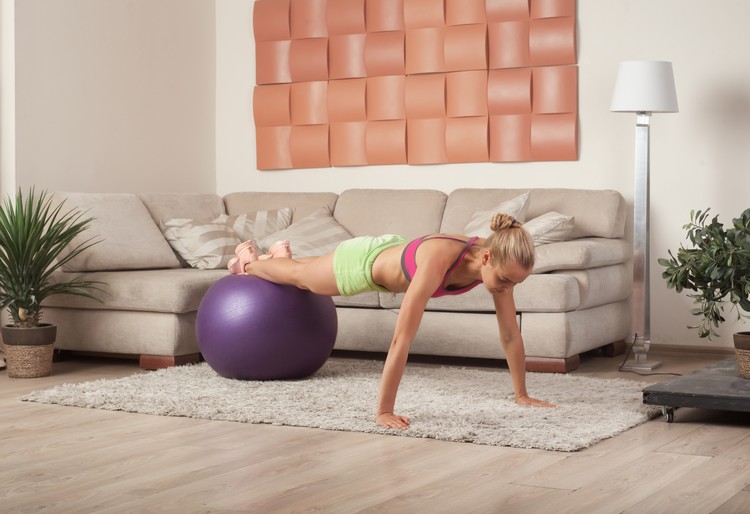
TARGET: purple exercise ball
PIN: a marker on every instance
(252, 329)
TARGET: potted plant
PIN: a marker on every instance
(716, 268)
(36, 239)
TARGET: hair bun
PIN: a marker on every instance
(502, 221)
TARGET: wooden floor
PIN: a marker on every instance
(65, 459)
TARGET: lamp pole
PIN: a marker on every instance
(641, 303)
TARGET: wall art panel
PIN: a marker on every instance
(384, 15)
(308, 19)
(385, 98)
(385, 142)
(423, 14)
(465, 12)
(373, 82)
(347, 100)
(384, 53)
(272, 62)
(346, 56)
(465, 47)
(466, 139)
(466, 94)
(348, 143)
(426, 141)
(345, 17)
(507, 10)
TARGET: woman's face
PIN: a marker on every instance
(503, 277)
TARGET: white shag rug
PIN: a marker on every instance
(443, 402)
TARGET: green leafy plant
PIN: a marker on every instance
(34, 234)
(716, 267)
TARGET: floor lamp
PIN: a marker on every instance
(642, 87)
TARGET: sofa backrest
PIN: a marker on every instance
(406, 212)
(302, 203)
(195, 206)
(598, 213)
(129, 237)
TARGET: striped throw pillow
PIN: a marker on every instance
(314, 235)
(202, 244)
(257, 225)
(211, 244)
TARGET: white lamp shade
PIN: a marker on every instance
(644, 86)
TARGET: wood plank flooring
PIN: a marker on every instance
(64, 459)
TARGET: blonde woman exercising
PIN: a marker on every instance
(427, 267)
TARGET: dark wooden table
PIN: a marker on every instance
(714, 387)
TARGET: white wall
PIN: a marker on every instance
(698, 156)
(115, 95)
(235, 137)
(156, 95)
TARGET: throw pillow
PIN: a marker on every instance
(203, 244)
(550, 228)
(479, 224)
(314, 235)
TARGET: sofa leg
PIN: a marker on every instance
(167, 361)
(614, 349)
(548, 365)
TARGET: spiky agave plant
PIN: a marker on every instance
(34, 243)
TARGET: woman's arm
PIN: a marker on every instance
(512, 342)
(425, 281)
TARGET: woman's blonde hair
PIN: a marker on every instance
(509, 241)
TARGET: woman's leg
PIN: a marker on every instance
(312, 273)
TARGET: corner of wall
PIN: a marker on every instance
(7, 98)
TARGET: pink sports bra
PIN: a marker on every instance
(409, 264)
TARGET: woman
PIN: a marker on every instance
(430, 266)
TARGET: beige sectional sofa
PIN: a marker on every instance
(576, 300)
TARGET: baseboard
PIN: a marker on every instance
(697, 351)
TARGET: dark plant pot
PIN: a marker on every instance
(742, 348)
(29, 350)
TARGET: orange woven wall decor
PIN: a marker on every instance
(370, 82)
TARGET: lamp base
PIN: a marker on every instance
(640, 361)
(640, 365)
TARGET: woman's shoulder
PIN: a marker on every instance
(448, 238)
(442, 246)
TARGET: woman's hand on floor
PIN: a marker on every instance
(390, 420)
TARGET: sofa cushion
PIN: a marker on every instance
(597, 213)
(303, 204)
(479, 224)
(196, 206)
(313, 235)
(461, 205)
(169, 290)
(561, 291)
(367, 299)
(129, 237)
(556, 293)
(407, 212)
